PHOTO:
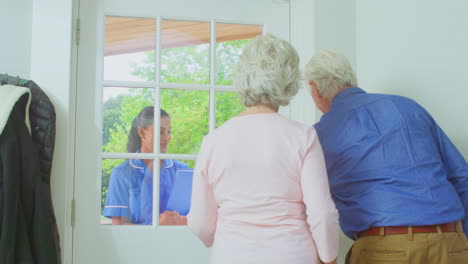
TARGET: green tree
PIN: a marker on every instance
(227, 55)
(111, 117)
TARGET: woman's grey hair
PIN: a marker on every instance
(267, 72)
(331, 72)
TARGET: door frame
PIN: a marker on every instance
(302, 18)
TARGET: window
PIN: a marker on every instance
(183, 67)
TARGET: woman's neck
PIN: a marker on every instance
(260, 109)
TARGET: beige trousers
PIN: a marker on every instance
(420, 248)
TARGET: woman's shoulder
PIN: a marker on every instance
(294, 128)
(273, 121)
(307, 130)
(122, 171)
(247, 121)
(122, 166)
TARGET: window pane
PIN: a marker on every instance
(188, 111)
(129, 49)
(185, 52)
(228, 104)
(230, 40)
(121, 106)
(126, 194)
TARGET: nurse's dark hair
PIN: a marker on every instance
(144, 119)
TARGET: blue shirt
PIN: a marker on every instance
(390, 164)
(127, 195)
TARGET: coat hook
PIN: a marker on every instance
(5, 81)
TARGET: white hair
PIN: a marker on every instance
(267, 72)
(331, 72)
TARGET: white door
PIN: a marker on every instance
(178, 55)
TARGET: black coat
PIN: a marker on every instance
(42, 118)
(28, 232)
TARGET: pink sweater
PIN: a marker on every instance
(261, 194)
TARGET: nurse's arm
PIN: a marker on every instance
(120, 220)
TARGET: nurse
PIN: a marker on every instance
(129, 197)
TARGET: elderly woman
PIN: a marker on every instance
(260, 190)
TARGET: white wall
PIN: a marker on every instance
(15, 44)
(335, 29)
(36, 44)
(302, 37)
(50, 68)
(334, 20)
(418, 49)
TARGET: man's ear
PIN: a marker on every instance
(314, 88)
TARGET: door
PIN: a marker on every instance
(178, 55)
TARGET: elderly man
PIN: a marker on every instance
(398, 182)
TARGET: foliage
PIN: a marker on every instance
(189, 109)
(111, 117)
(227, 55)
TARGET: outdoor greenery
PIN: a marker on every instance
(189, 109)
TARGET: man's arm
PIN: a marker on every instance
(457, 170)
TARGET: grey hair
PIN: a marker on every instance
(267, 72)
(331, 72)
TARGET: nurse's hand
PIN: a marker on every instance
(182, 220)
(169, 218)
(120, 220)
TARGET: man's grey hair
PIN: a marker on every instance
(267, 72)
(331, 72)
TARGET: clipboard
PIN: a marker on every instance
(181, 194)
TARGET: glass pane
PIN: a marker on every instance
(126, 197)
(188, 123)
(228, 104)
(121, 106)
(230, 40)
(185, 53)
(129, 49)
(175, 191)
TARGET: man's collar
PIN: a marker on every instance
(345, 93)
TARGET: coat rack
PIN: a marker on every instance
(7, 79)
